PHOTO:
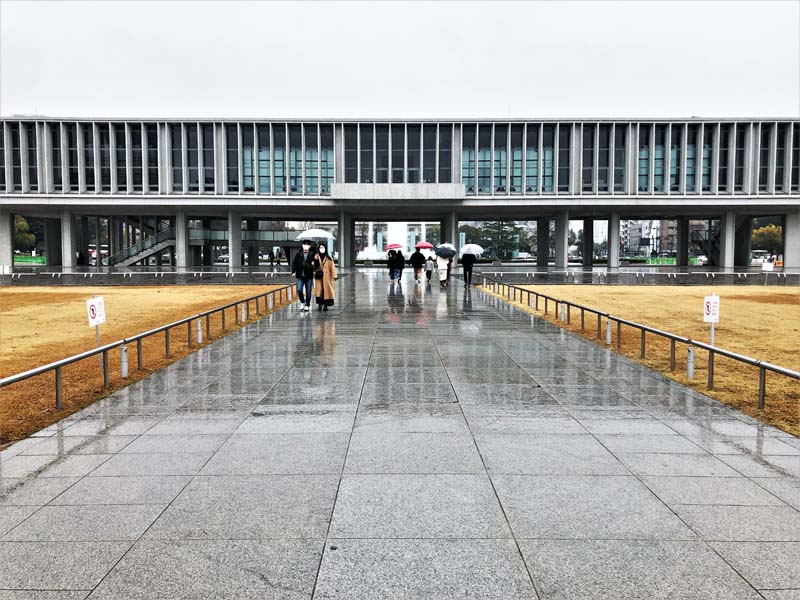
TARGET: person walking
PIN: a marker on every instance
(391, 264)
(324, 276)
(442, 265)
(429, 267)
(271, 257)
(467, 262)
(401, 264)
(303, 270)
(417, 262)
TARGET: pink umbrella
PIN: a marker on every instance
(393, 246)
(424, 245)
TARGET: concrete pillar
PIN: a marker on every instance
(182, 259)
(6, 241)
(542, 242)
(234, 240)
(252, 246)
(588, 242)
(345, 240)
(83, 239)
(743, 244)
(52, 242)
(727, 240)
(682, 257)
(613, 242)
(791, 241)
(67, 242)
(141, 229)
(562, 240)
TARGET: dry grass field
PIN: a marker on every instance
(763, 323)
(39, 325)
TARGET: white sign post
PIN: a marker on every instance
(711, 312)
(97, 314)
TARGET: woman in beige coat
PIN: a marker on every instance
(324, 276)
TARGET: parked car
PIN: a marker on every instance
(758, 257)
(524, 256)
(222, 258)
(701, 260)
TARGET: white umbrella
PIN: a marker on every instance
(472, 249)
(315, 234)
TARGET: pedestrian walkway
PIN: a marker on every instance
(410, 443)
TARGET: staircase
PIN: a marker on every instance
(144, 249)
(707, 242)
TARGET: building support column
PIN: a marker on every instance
(52, 242)
(744, 238)
(562, 240)
(234, 240)
(6, 242)
(450, 232)
(67, 242)
(613, 242)
(252, 245)
(542, 242)
(181, 241)
(727, 240)
(588, 242)
(682, 254)
(345, 240)
(791, 241)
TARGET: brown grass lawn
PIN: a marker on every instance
(39, 325)
(763, 323)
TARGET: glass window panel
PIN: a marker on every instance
(367, 175)
(398, 153)
(326, 158)
(587, 167)
(33, 182)
(604, 159)
(484, 158)
(55, 145)
(692, 132)
(763, 157)
(382, 153)
(295, 159)
(351, 154)
(263, 159)
(414, 134)
(279, 157)
(176, 142)
(644, 158)
(564, 134)
(429, 153)
(675, 145)
(500, 158)
(445, 153)
(795, 183)
(620, 156)
(780, 157)
(708, 146)
(312, 159)
(121, 145)
(548, 158)
(468, 157)
(136, 157)
(532, 159)
(724, 157)
(103, 131)
(16, 158)
(192, 158)
(232, 156)
(516, 159)
(248, 158)
(2, 159)
(659, 158)
(738, 170)
(88, 156)
(208, 157)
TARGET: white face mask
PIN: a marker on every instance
(322, 250)
(306, 248)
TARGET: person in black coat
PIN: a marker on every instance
(400, 264)
(467, 262)
(303, 270)
(391, 264)
(418, 263)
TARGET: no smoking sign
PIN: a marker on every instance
(711, 309)
(96, 311)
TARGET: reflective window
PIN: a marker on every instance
(659, 155)
(500, 158)
(620, 156)
(588, 159)
(55, 145)
(414, 153)
(2, 160)
(121, 144)
(207, 130)
(548, 158)
(445, 153)
(691, 158)
(763, 157)
(429, 153)
(16, 157)
(88, 156)
(724, 157)
(604, 159)
(795, 184)
(176, 142)
(192, 158)
(104, 145)
(351, 154)
(295, 159)
(644, 157)
(33, 181)
(468, 158)
(367, 143)
(312, 159)
(72, 155)
(708, 146)
(326, 157)
(279, 157)
(675, 143)
(248, 158)
(564, 134)
(398, 153)
(136, 157)
(232, 156)
(738, 159)
(382, 153)
(780, 158)
(263, 159)
(484, 158)
(532, 159)
(516, 159)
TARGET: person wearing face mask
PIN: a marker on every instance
(303, 270)
(324, 276)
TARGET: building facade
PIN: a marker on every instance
(65, 170)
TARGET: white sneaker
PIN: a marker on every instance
(306, 309)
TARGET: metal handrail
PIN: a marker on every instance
(57, 366)
(763, 366)
(134, 249)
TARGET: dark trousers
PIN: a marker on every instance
(304, 290)
(468, 275)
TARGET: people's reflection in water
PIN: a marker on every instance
(324, 338)
(305, 333)
(467, 297)
(396, 300)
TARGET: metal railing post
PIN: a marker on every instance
(189, 332)
(139, 360)
(105, 368)
(258, 310)
(582, 319)
(599, 326)
(762, 386)
(569, 317)
(545, 305)
(711, 369)
(236, 313)
(208, 325)
(58, 388)
(641, 345)
(166, 342)
(223, 319)
(672, 355)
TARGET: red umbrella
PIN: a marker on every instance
(424, 245)
(393, 246)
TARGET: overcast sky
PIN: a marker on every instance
(445, 59)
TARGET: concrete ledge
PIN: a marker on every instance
(404, 191)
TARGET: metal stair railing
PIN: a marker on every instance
(139, 247)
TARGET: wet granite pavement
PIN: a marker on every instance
(409, 443)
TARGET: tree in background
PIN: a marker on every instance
(769, 237)
(24, 240)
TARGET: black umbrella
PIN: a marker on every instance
(446, 250)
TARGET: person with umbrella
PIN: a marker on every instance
(469, 257)
(417, 262)
(391, 264)
(303, 270)
(444, 252)
(324, 276)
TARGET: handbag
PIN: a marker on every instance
(318, 275)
